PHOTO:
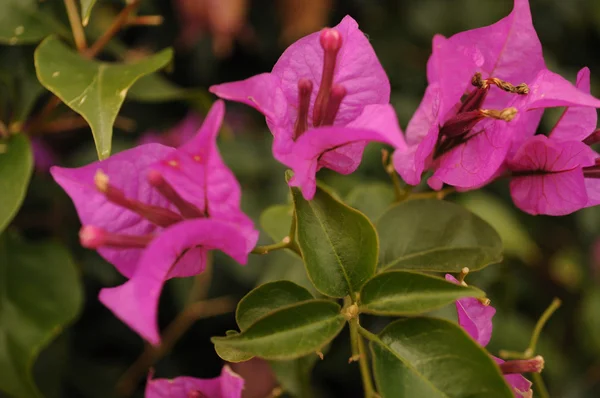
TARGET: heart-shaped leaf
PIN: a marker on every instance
(268, 298)
(404, 293)
(16, 165)
(435, 235)
(40, 292)
(433, 358)
(95, 90)
(290, 332)
(21, 22)
(339, 244)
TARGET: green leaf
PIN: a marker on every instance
(294, 375)
(21, 22)
(16, 165)
(276, 221)
(406, 293)
(95, 90)
(231, 354)
(290, 332)
(435, 235)
(40, 292)
(268, 298)
(433, 358)
(86, 10)
(502, 217)
(372, 199)
(155, 88)
(339, 245)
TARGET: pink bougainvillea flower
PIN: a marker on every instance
(227, 385)
(476, 319)
(474, 111)
(177, 135)
(560, 174)
(328, 78)
(154, 212)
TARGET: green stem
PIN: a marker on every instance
(540, 325)
(539, 385)
(269, 248)
(435, 194)
(368, 335)
(363, 361)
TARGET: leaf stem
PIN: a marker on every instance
(76, 26)
(538, 382)
(358, 344)
(434, 194)
(284, 244)
(119, 22)
(530, 351)
(540, 325)
(193, 312)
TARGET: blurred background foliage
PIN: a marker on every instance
(545, 257)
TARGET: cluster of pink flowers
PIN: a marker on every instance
(328, 96)
(155, 211)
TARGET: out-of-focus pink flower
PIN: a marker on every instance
(224, 20)
(559, 174)
(476, 318)
(227, 385)
(177, 135)
(487, 88)
(43, 156)
(326, 97)
(154, 212)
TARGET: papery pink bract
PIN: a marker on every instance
(227, 385)
(192, 185)
(494, 51)
(476, 319)
(136, 301)
(576, 123)
(127, 170)
(548, 173)
(554, 183)
(276, 95)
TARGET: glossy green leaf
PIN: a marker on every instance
(268, 298)
(95, 90)
(290, 332)
(406, 293)
(433, 358)
(156, 88)
(435, 235)
(16, 165)
(86, 10)
(339, 244)
(372, 199)
(276, 221)
(40, 292)
(21, 22)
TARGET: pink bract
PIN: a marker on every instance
(227, 385)
(351, 68)
(154, 212)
